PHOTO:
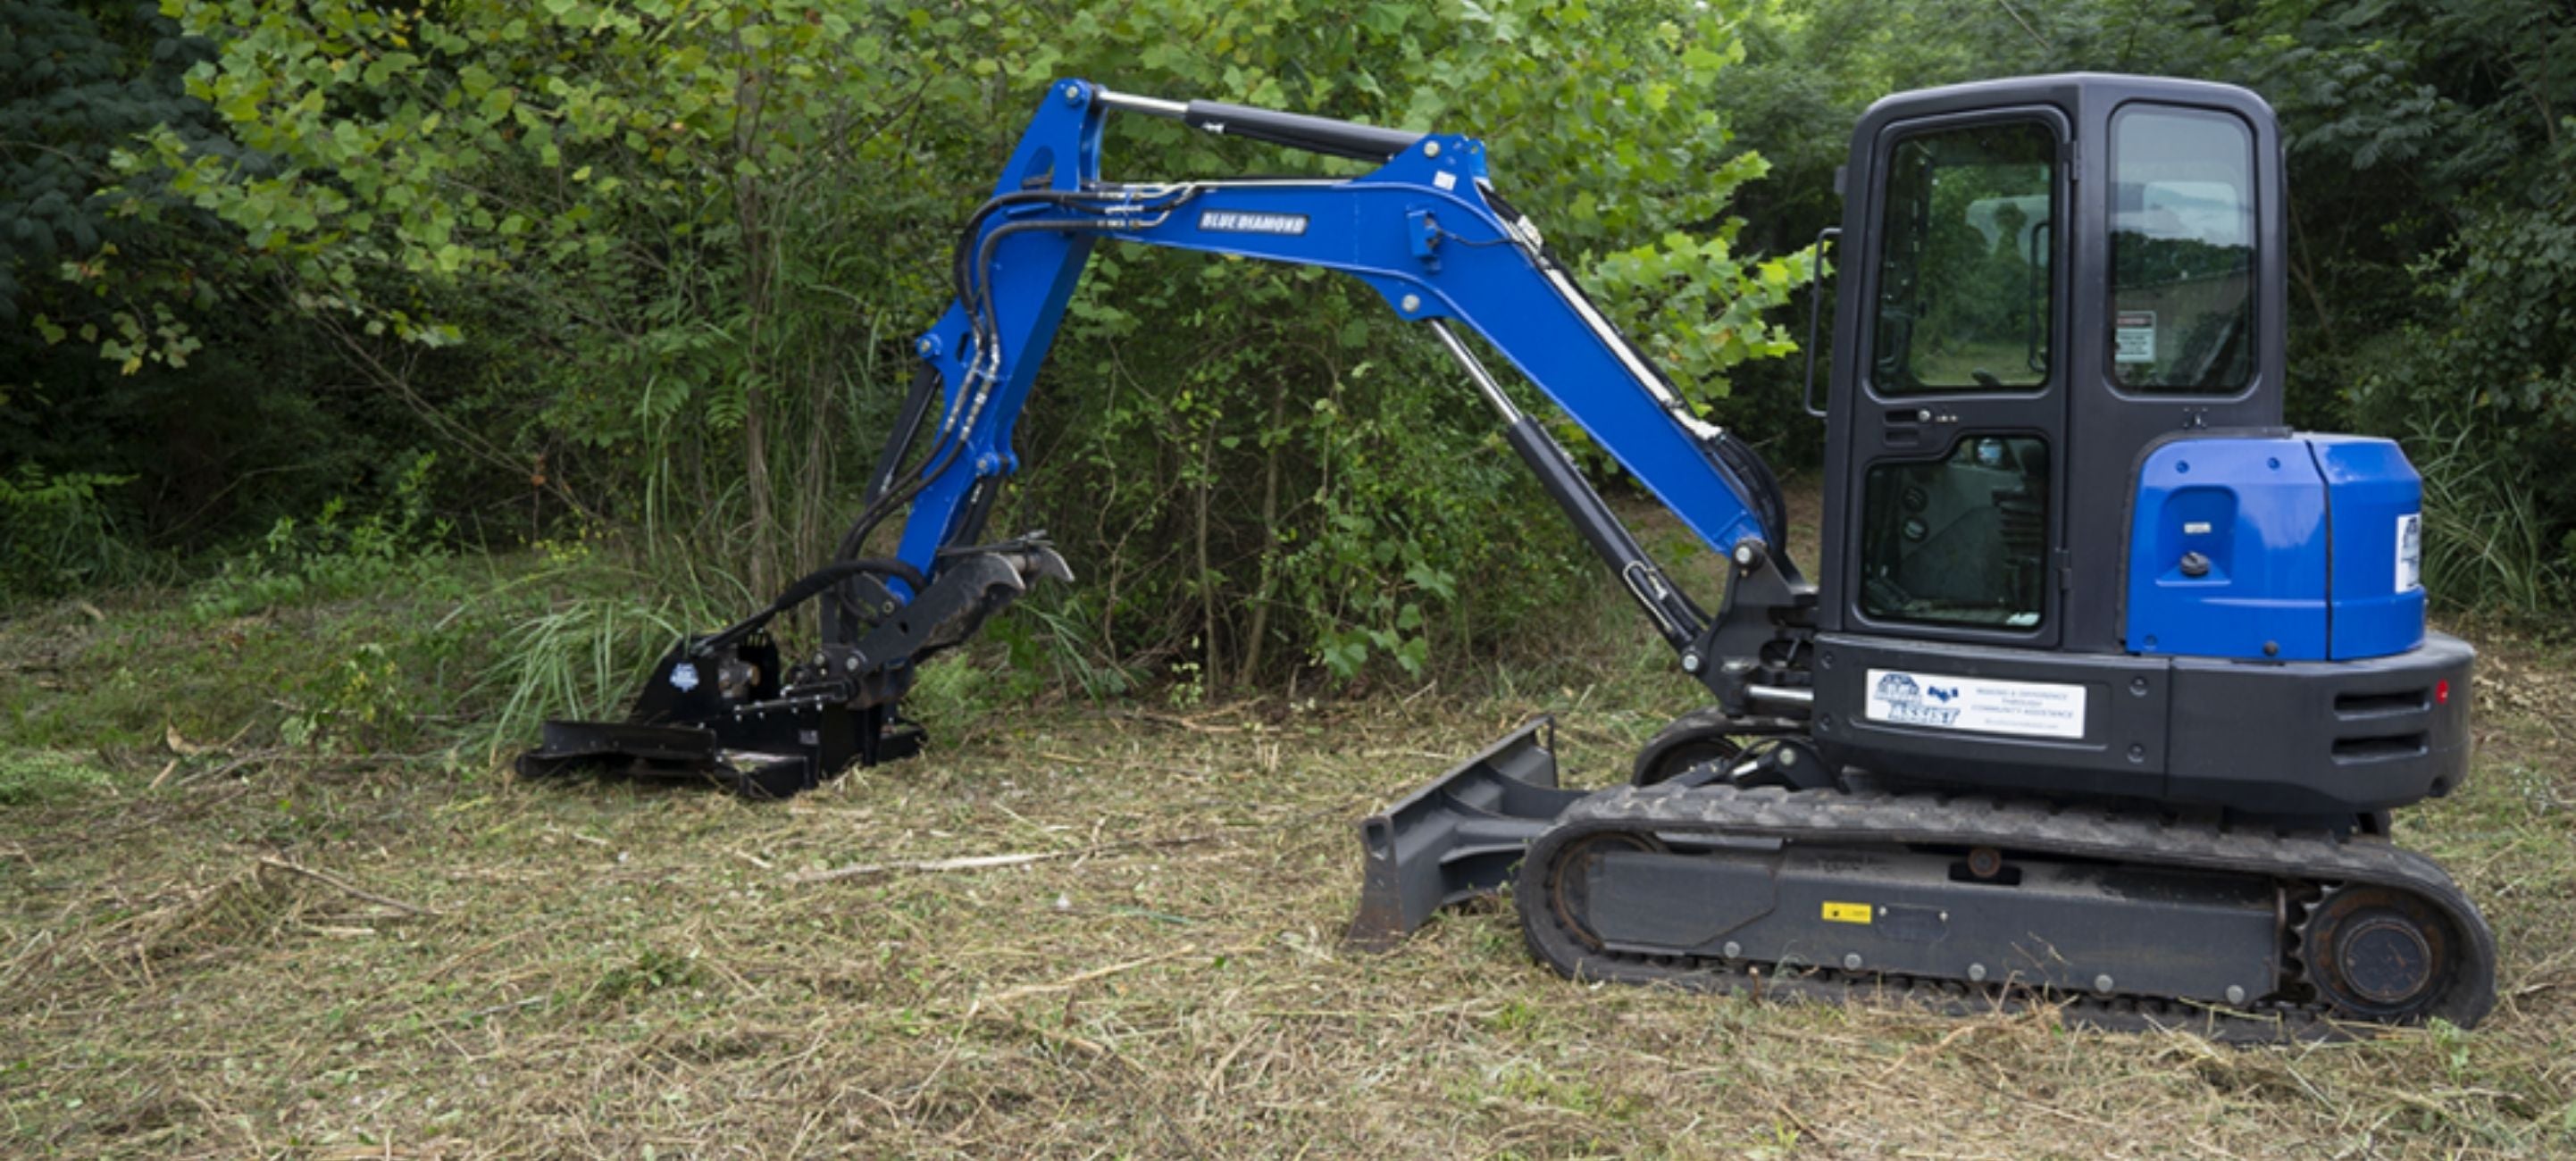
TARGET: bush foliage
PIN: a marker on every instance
(654, 266)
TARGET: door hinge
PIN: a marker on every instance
(2065, 571)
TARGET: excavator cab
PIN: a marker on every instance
(2041, 278)
(2058, 488)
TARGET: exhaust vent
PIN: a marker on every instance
(2349, 706)
(2380, 749)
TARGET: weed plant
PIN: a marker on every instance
(2487, 545)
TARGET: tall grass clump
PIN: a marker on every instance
(574, 639)
(2488, 545)
(59, 534)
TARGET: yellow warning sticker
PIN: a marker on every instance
(1846, 912)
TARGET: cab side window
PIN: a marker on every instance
(1963, 285)
(2182, 250)
(1961, 540)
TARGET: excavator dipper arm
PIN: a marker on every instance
(1425, 230)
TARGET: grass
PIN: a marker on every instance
(31, 775)
(2487, 545)
(257, 950)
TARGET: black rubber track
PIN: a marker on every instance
(2317, 858)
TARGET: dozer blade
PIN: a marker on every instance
(1459, 838)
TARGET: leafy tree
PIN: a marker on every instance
(665, 258)
(118, 423)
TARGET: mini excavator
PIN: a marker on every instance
(2101, 695)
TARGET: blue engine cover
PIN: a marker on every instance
(2306, 549)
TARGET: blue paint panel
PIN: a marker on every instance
(2374, 498)
(2255, 509)
(2302, 537)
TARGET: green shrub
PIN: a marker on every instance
(30, 776)
(331, 557)
(57, 537)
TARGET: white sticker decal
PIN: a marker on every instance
(2133, 337)
(684, 677)
(1251, 222)
(1445, 180)
(1975, 704)
(2410, 552)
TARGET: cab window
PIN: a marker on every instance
(1963, 279)
(1961, 540)
(2182, 250)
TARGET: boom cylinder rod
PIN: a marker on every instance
(1131, 103)
(1476, 372)
(1294, 130)
(1676, 617)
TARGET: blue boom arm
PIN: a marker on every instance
(1425, 230)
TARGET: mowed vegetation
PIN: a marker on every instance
(214, 944)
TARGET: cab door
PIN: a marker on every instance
(1950, 443)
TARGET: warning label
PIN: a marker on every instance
(2133, 337)
(2410, 551)
(1976, 705)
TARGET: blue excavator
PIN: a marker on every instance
(2101, 694)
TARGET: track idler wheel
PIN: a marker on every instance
(2379, 954)
(1555, 900)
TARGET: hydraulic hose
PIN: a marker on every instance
(806, 588)
(971, 278)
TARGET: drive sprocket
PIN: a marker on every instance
(2376, 953)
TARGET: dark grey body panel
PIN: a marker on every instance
(2311, 739)
(2322, 736)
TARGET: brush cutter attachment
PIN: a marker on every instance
(721, 708)
(1459, 838)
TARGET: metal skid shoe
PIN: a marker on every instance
(720, 718)
(720, 709)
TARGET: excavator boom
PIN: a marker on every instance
(1426, 230)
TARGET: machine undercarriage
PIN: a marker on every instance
(2119, 917)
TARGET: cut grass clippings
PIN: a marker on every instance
(467, 969)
